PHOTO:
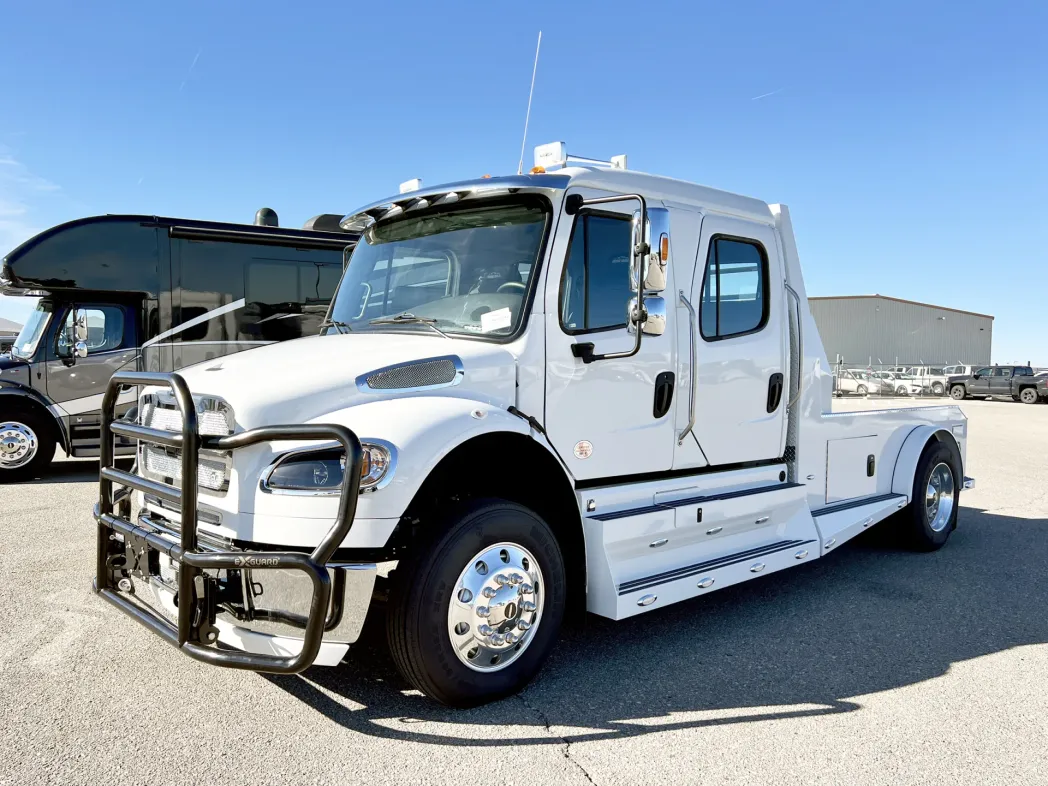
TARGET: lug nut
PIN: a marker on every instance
(516, 578)
(512, 638)
(527, 589)
(485, 630)
(502, 580)
(483, 611)
(523, 624)
(488, 592)
(527, 605)
(498, 639)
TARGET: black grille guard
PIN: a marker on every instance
(187, 635)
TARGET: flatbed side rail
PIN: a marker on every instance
(192, 633)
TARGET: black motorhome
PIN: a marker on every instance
(153, 294)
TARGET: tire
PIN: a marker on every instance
(27, 445)
(862, 390)
(957, 393)
(938, 389)
(922, 527)
(425, 594)
(900, 391)
(1028, 395)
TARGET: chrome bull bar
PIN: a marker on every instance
(194, 634)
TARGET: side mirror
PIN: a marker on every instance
(80, 349)
(653, 320)
(652, 272)
(80, 325)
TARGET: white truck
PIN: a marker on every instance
(584, 387)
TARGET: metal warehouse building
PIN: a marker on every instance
(874, 329)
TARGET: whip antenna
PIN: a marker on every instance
(527, 117)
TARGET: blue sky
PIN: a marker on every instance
(909, 139)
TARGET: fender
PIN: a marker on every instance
(912, 448)
(13, 391)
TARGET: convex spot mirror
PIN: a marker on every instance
(653, 320)
(80, 348)
(650, 268)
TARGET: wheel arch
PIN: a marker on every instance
(910, 455)
(30, 400)
(513, 466)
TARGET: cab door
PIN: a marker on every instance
(980, 384)
(740, 299)
(608, 418)
(1001, 381)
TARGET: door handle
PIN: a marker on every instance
(774, 391)
(663, 394)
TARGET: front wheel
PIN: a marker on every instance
(957, 392)
(938, 389)
(901, 390)
(861, 390)
(1028, 396)
(27, 446)
(473, 615)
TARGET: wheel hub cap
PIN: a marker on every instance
(496, 607)
(17, 445)
(939, 497)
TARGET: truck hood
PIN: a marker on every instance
(13, 370)
(301, 380)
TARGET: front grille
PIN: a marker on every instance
(214, 418)
(441, 371)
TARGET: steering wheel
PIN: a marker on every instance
(511, 286)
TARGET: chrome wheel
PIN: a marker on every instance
(18, 445)
(939, 497)
(496, 607)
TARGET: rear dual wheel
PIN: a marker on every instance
(473, 614)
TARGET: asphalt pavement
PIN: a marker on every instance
(873, 665)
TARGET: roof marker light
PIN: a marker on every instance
(411, 185)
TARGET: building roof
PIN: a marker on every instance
(7, 326)
(900, 300)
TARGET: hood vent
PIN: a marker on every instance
(415, 375)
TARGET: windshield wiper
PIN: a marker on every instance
(335, 324)
(409, 319)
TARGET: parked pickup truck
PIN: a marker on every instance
(579, 388)
(1018, 382)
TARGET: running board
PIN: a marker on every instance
(841, 522)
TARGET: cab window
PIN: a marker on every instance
(734, 290)
(105, 330)
(595, 291)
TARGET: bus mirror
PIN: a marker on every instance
(80, 349)
(656, 236)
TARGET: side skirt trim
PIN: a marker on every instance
(721, 562)
(714, 497)
(853, 503)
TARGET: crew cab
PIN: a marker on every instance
(584, 387)
(1017, 382)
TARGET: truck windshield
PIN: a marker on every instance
(29, 337)
(464, 271)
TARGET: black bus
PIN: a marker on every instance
(147, 293)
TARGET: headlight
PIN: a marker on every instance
(321, 471)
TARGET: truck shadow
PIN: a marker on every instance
(869, 618)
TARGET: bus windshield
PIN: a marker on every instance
(464, 271)
(29, 337)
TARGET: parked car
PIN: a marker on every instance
(896, 383)
(1018, 382)
(856, 382)
(931, 378)
(957, 371)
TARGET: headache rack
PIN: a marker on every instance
(194, 634)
